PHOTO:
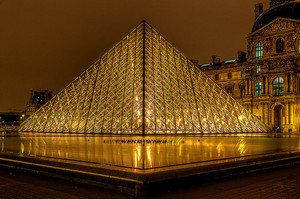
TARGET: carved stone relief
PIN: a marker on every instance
(268, 46)
(291, 42)
(279, 25)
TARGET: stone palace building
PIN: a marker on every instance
(266, 79)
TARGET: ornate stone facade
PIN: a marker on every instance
(267, 85)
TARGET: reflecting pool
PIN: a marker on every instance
(142, 152)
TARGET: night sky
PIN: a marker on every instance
(45, 44)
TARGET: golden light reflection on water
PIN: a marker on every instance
(142, 152)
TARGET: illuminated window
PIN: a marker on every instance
(217, 77)
(259, 50)
(243, 74)
(278, 86)
(279, 45)
(258, 69)
(258, 89)
(229, 75)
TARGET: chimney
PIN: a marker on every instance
(216, 59)
(241, 56)
(259, 8)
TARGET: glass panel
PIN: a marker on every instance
(143, 85)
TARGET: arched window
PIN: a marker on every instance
(278, 86)
(279, 45)
(259, 50)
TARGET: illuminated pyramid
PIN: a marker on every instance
(143, 85)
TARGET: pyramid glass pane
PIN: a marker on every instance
(143, 85)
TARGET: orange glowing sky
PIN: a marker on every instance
(45, 44)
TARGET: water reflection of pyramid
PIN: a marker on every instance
(143, 85)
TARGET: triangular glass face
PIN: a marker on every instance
(143, 85)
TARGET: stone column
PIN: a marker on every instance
(247, 87)
(268, 113)
(267, 86)
(250, 87)
(287, 113)
(292, 113)
(262, 86)
(289, 82)
(263, 112)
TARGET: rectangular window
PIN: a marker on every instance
(229, 75)
(217, 77)
(258, 89)
(258, 69)
(243, 74)
(278, 86)
(259, 50)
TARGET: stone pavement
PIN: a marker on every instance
(23, 186)
(14, 189)
(280, 183)
(288, 187)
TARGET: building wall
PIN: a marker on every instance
(36, 100)
(269, 107)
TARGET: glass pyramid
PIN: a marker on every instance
(143, 85)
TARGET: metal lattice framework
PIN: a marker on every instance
(143, 85)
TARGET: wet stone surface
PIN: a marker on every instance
(143, 152)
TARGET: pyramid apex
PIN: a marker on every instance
(144, 22)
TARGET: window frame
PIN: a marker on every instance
(279, 45)
(278, 86)
(258, 69)
(259, 50)
(258, 86)
(243, 74)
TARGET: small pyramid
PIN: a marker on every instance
(143, 85)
